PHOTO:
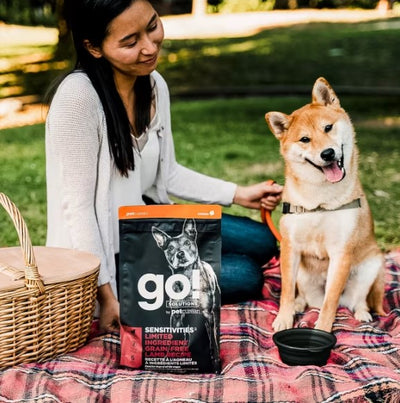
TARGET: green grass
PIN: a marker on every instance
(228, 137)
(22, 178)
(224, 138)
(357, 55)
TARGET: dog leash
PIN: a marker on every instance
(266, 218)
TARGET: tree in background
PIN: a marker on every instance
(199, 7)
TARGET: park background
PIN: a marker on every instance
(226, 63)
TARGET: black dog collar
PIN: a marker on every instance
(290, 209)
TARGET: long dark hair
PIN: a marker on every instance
(89, 20)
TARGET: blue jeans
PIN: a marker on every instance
(246, 246)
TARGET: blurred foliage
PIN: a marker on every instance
(237, 6)
(29, 12)
(45, 12)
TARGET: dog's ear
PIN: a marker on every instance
(189, 227)
(160, 236)
(323, 94)
(278, 123)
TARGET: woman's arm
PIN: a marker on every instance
(190, 185)
(73, 140)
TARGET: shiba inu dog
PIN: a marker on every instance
(328, 249)
(182, 255)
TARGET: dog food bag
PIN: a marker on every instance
(170, 259)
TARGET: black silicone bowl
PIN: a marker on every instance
(304, 346)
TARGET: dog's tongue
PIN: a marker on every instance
(334, 173)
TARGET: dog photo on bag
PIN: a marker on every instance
(182, 255)
(329, 255)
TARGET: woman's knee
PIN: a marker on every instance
(241, 278)
(248, 237)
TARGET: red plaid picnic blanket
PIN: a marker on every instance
(364, 365)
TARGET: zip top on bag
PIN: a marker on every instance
(201, 211)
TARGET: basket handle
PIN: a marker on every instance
(32, 278)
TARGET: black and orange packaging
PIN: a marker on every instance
(170, 260)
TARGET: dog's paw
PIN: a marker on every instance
(363, 315)
(282, 322)
(300, 304)
(323, 325)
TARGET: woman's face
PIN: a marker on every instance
(134, 40)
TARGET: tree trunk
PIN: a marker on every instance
(65, 48)
(384, 5)
(199, 7)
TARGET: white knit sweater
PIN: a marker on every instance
(79, 166)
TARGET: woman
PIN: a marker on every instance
(109, 143)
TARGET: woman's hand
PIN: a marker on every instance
(259, 195)
(109, 309)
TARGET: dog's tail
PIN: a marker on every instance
(267, 218)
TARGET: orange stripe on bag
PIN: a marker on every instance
(211, 211)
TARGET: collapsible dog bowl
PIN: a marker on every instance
(304, 346)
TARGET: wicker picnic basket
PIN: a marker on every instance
(46, 309)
